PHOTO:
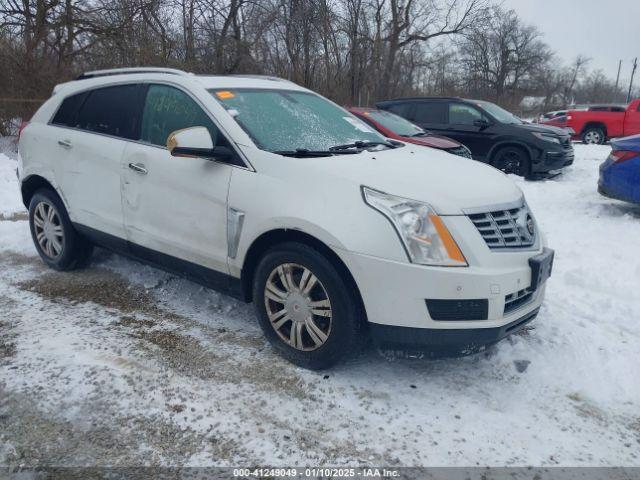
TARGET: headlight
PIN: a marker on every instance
(546, 137)
(424, 236)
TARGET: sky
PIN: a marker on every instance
(606, 31)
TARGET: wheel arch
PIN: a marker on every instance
(32, 184)
(275, 237)
(509, 143)
(599, 125)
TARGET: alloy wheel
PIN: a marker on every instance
(511, 162)
(593, 137)
(298, 307)
(48, 229)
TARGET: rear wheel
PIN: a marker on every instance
(513, 160)
(55, 239)
(308, 312)
(593, 136)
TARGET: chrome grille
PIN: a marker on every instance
(506, 228)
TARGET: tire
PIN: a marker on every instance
(338, 323)
(513, 160)
(60, 246)
(593, 136)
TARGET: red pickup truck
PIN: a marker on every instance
(599, 126)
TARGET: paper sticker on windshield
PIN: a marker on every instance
(225, 95)
(358, 124)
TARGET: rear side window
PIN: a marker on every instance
(111, 111)
(168, 109)
(68, 112)
(430, 112)
(402, 109)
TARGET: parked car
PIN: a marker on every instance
(393, 126)
(620, 173)
(597, 125)
(550, 115)
(493, 135)
(263, 189)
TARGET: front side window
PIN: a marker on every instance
(111, 111)
(393, 122)
(167, 109)
(500, 114)
(287, 120)
(461, 114)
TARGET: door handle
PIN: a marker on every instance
(138, 167)
(65, 143)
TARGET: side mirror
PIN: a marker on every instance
(482, 123)
(191, 142)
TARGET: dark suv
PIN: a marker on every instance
(493, 135)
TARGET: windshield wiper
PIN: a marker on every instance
(360, 145)
(420, 134)
(303, 152)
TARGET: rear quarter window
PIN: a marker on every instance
(68, 111)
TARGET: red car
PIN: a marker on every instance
(397, 128)
(599, 125)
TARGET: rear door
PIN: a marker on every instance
(430, 115)
(172, 205)
(94, 128)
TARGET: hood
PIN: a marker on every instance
(536, 127)
(446, 182)
(434, 141)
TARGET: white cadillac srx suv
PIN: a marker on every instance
(273, 194)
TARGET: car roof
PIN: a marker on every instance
(404, 99)
(112, 77)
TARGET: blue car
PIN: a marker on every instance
(620, 173)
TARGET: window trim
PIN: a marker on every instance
(145, 84)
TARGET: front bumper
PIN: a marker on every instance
(446, 342)
(399, 296)
(553, 159)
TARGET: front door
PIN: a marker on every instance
(462, 119)
(632, 120)
(175, 208)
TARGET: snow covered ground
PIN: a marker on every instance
(121, 364)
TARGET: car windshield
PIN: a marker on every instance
(500, 114)
(290, 120)
(395, 123)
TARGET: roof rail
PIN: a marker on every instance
(261, 77)
(130, 70)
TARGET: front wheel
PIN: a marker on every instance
(307, 310)
(513, 160)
